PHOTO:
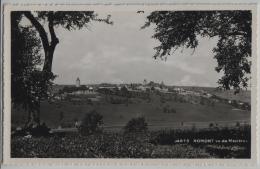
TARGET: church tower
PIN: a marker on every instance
(145, 82)
(162, 83)
(77, 82)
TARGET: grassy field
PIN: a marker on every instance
(244, 96)
(166, 116)
(64, 113)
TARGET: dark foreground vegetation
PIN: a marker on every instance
(192, 143)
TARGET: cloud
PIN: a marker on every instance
(184, 66)
(186, 80)
(122, 53)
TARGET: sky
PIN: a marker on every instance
(123, 53)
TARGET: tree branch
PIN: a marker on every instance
(40, 29)
(48, 46)
(54, 39)
(236, 34)
(51, 47)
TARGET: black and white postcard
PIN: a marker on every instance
(170, 84)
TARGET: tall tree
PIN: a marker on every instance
(30, 82)
(176, 29)
(29, 85)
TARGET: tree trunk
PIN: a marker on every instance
(47, 67)
(49, 48)
(33, 119)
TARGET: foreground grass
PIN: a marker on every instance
(100, 146)
(138, 145)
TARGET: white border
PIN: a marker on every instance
(153, 162)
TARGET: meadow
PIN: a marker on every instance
(177, 127)
(160, 111)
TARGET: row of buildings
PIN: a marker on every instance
(144, 88)
(151, 86)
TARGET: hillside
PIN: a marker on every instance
(160, 112)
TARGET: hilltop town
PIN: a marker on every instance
(61, 92)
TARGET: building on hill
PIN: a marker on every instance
(162, 84)
(74, 90)
(152, 84)
(178, 89)
(141, 87)
(145, 82)
(91, 89)
(78, 82)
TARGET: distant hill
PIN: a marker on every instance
(243, 95)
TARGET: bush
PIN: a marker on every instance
(136, 125)
(211, 125)
(91, 123)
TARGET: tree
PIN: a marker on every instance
(27, 42)
(91, 123)
(136, 125)
(176, 29)
(28, 83)
(69, 20)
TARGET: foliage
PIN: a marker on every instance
(29, 84)
(175, 29)
(134, 145)
(91, 123)
(24, 56)
(211, 125)
(69, 20)
(136, 125)
(105, 145)
(31, 71)
(125, 92)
